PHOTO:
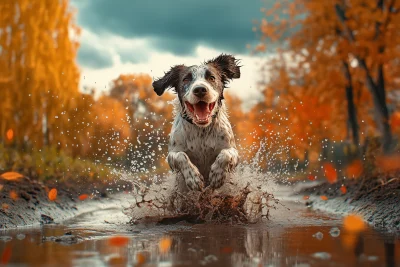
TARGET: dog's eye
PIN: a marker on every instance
(186, 80)
(212, 78)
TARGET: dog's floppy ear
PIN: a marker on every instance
(227, 65)
(169, 80)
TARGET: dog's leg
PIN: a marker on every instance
(180, 162)
(225, 163)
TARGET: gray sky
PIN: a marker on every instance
(148, 36)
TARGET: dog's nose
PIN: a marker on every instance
(200, 91)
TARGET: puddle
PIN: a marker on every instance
(285, 240)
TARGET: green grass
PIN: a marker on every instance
(51, 165)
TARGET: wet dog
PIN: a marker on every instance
(202, 146)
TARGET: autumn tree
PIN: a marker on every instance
(343, 48)
(150, 119)
(38, 71)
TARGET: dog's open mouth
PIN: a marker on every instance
(201, 111)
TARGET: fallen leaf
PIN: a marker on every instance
(53, 194)
(354, 169)
(140, 258)
(1, 187)
(6, 255)
(324, 198)
(330, 173)
(83, 197)
(164, 245)
(353, 223)
(13, 195)
(118, 241)
(306, 197)
(312, 177)
(388, 163)
(11, 176)
(343, 189)
(5, 206)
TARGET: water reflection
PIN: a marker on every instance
(211, 245)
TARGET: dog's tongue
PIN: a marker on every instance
(201, 110)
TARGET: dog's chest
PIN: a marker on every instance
(203, 147)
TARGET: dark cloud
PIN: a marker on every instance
(176, 26)
(90, 56)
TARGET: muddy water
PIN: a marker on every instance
(289, 238)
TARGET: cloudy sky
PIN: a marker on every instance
(148, 36)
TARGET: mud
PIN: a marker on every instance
(376, 199)
(31, 206)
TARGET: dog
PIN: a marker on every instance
(202, 145)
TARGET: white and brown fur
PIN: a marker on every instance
(202, 151)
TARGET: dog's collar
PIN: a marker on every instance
(188, 119)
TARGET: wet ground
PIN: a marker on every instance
(294, 236)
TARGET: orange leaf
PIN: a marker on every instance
(324, 198)
(5, 206)
(83, 197)
(13, 195)
(388, 163)
(355, 169)
(1, 187)
(6, 255)
(164, 245)
(353, 223)
(10, 134)
(330, 173)
(53, 194)
(118, 241)
(343, 189)
(306, 197)
(11, 176)
(312, 177)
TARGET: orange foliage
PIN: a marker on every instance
(388, 163)
(355, 169)
(52, 194)
(353, 223)
(330, 173)
(118, 241)
(306, 197)
(324, 198)
(10, 134)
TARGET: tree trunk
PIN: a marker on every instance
(351, 107)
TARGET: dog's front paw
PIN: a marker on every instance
(217, 177)
(194, 180)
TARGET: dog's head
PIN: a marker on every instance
(200, 88)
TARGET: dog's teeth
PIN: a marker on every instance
(197, 117)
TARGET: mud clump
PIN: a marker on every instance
(233, 203)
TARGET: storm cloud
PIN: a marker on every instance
(176, 26)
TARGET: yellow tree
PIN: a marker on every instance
(39, 74)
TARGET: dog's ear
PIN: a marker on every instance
(169, 80)
(227, 65)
